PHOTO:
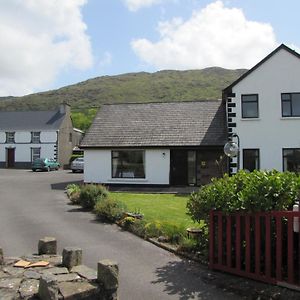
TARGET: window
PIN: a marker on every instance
(251, 159)
(10, 137)
(70, 137)
(291, 160)
(250, 106)
(35, 153)
(290, 104)
(128, 164)
(35, 137)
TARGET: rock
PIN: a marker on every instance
(85, 272)
(163, 239)
(79, 290)
(47, 245)
(108, 274)
(1, 257)
(14, 272)
(8, 294)
(71, 257)
(48, 288)
(56, 271)
(67, 277)
(32, 275)
(29, 288)
(10, 283)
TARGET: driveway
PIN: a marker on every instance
(34, 205)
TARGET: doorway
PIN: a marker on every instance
(10, 157)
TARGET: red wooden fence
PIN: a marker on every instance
(261, 246)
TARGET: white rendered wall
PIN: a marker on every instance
(269, 133)
(97, 167)
(23, 145)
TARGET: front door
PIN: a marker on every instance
(178, 172)
(10, 157)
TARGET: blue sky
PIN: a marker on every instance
(52, 43)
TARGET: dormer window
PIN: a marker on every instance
(250, 106)
(290, 104)
(35, 137)
(10, 137)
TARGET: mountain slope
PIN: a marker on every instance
(133, 87)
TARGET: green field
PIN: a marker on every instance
(158, 207)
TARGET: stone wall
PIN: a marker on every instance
(48, 276)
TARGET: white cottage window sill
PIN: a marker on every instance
(290, 118)
(129, 180)
(250, 119)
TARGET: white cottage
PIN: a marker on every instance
(27, 135)
(263, 111)
(156, 143)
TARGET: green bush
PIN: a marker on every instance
(73, 192)
(92, 193)
(110, 209)
(249, 192)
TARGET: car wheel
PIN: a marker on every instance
(33, 170)
(73, 171)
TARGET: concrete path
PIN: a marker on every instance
(33, 205)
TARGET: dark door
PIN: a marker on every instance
(10, 155)
(178, 170)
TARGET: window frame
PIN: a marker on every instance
(122, 175)
(257, 156)
(243, 101)
(8, 141)
(32, 137)
(290, 101)
(283, 156)
(35, 148)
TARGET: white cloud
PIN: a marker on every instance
(38, 39)
(106, 59)
(213, 36)
(135, 5)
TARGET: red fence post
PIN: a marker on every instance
(290, 251)
(278, 248)
(220, 237)
(248, 242)
(238, 242)
(211, 239)
(257, 244)
(228, 241)
(268, 247)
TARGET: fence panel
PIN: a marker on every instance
(261, 246)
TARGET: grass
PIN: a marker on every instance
(158, 207)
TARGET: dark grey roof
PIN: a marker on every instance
(199, 123)
(30, 120)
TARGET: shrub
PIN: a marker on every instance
(110, 209)
(128, 222)
(250, 192)
(73, 192)
(90, 194)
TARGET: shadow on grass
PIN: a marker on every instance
(183, 278)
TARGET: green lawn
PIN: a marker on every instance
(158, 207)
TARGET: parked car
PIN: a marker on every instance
(77, 165)
(44, 164)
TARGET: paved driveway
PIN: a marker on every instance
(33, 205)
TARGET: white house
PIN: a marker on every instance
(263, 110)
(27, 135)
(155, 143)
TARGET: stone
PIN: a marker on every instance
(79, 290)
(8, 294)
(67, 277)
(47, 245)
(32, 274)
(29, 288)
(71, 257)
(10, 283)
(48, 288)
(15, 272)
(1, 257)
(108, 274)
(56, 271)
(85, 272)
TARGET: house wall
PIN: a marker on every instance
(270, 133)
(65, 137)
(97, 167)
(23, 147)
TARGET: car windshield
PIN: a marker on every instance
(80, 159)
(39, 160)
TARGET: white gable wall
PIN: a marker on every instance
(270, 133)
(98, 169)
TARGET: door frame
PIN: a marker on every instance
(10, 157)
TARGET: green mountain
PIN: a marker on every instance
(85, 97)
(133, 87)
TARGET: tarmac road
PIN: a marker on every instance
(34, 205)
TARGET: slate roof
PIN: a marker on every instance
(198, 123)
(30, 120)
